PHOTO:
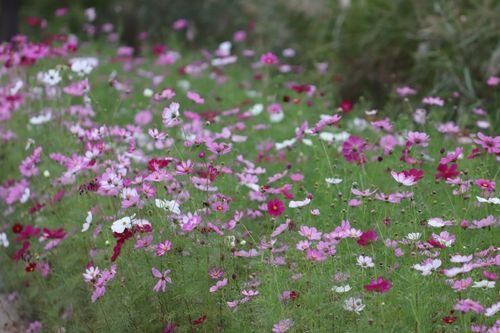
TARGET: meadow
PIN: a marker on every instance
(234, 189)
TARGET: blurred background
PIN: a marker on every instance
(372, 44)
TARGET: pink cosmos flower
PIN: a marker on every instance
(490, 144)
(239, 36)
(384, 124)
(485, 184)
(452, 156)
(130, 197)
(216, 273)
(180, 24)
(408, 177)
(460, 285)
(448, 128)
(218, 285)
(184, 167)
(353, 149)
(468, 305)
(405, 91)
(444, 238)
(269, 59)
(195, 97)
(163, 279)
(315, 255)
(171, 115)
(275, 207)
(78, 88)
(167, 93)
(310, 233)
(418, 139)
(189, 222)
(379, 285)
(219, 148)
(143, 118)
(162, 248)
(282, 326)
(493, 81)
(430, 100)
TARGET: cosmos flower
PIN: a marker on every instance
(275, 207)
(163, 279)
(379, 285)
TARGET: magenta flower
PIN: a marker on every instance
(163, 279)
(485, 184)
(353, 149)
(269, 59)
(367, 237)
(275, 207)
(380, 285)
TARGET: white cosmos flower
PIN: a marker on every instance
(333, 181)
(184, 84)
(257, 109)
(120, 225)
(341, 289)
(91, 273)
(327, 136)
(414, 236)
(4, 241)
(485, 284)
(495, 201)
(88, 221)
(403, 179)
(83, 66)
(297, 204)
(25, 196)
(492, 310)
(365, 261)
(437, 222)
(307, 142)
(51, 77)
(41, 118)
(285, 144)
(428, 266)
(171, 205)
(354, 304)
(254, 187)
(276, 117)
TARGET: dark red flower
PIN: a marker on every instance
(435, 243)
(121, 238)
(275, 207)
(155, 164)
(17, 228)
(200, 320)
(449, 319)
(30, 267)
